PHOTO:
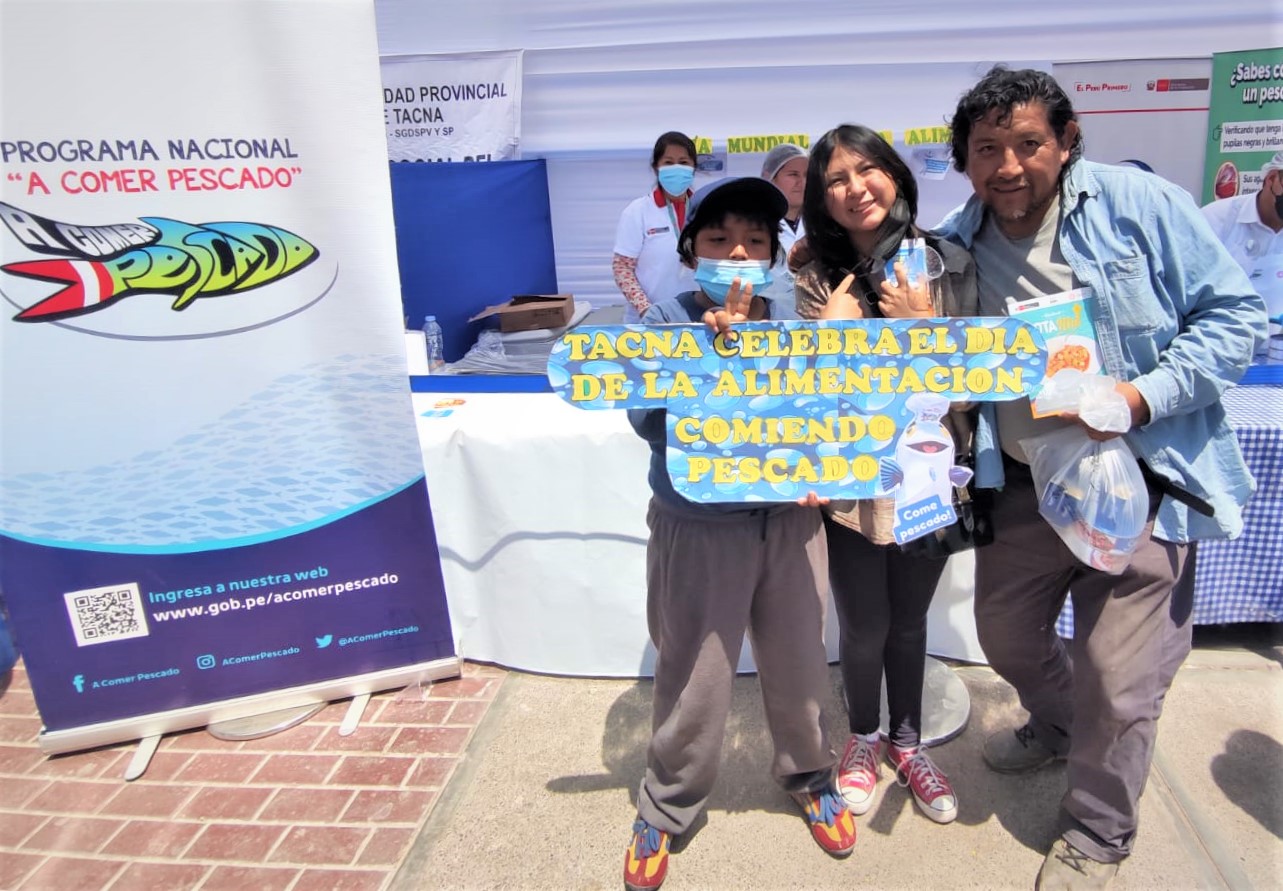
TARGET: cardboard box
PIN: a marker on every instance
(527, 311)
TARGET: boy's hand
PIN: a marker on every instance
(812, 500)
(739, 300)
(842, 304)
(899, 300)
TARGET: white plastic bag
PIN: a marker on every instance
(1093, 397)
(1092, 493)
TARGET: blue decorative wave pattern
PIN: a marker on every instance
(703, 365)
(761, 399)
(311, 445)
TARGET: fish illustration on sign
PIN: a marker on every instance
(922, 474)
(100, 264)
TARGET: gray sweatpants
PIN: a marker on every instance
(708, 581)
(1101, 698)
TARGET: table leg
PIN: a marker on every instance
(946, 704)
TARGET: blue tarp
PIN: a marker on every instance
(468, 236)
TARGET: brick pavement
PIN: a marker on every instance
(302, 809)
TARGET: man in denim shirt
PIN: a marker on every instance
(1176, 321)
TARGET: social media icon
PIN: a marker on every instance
(206, 661)
(323, 642)
(79, 683)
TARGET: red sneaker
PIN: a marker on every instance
(858, 772)
(930, 787)
(646, 862)
(832, 825)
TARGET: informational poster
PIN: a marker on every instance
(1145, 113)
(211, 487)
(1245, 123)
(844, 409)
(453, 106)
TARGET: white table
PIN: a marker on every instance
(1239, 580)
(540, 511)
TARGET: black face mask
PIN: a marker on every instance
(1278, 206)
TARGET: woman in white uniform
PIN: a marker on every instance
(646, 266)
(785, 166)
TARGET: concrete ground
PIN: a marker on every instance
(545, 795)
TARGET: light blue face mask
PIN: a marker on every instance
(675, 179)
(715, 276)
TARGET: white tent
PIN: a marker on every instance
(602, 79)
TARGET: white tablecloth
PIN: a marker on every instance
(540, 515)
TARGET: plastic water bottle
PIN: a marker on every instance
(436, 344)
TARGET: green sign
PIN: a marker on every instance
(1244, 121)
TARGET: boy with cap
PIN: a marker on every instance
(715, 571)
(785, 166)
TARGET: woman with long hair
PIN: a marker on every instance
(861, 201)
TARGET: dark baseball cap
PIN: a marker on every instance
(736, 194)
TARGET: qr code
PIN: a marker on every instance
(99, 615)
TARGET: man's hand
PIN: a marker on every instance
(900, 300)
(842, 304)
(1136, 404)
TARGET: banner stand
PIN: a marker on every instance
(233, 432)
(142, 727)
(265, 724)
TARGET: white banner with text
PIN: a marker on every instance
(453, 107)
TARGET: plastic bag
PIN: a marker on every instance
(1093, 397)
(1092, 493)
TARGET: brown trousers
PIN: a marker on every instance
(709, 581)
(1100, 698)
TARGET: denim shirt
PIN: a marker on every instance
(1175, 316)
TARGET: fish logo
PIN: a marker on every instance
(923, 464)
(97, 265)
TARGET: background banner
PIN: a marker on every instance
(453, 107)
(1149, 113)
(210, 481)
(1245, 123)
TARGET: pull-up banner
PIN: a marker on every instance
(211, 489)
(453, 106)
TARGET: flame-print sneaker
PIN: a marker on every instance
(646, 862)
(832, 825)
(930, 787)
(858, 771)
